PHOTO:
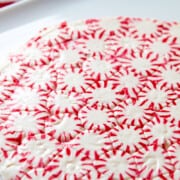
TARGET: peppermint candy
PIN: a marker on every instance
(94, 99)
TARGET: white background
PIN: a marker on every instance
(20, 21)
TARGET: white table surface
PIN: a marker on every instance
(21, 21)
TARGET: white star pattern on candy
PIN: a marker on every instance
(146, 28)
(116, 165)
(92, 143)
(136, 139)
(11, 71)
(100, 68)
(72, 80)
(39, 54)
(153, 162)
(27, 98)
(161, 132)
(44, 78)
(104, 94)
(133, 113)
(97, 118)
(64, 127)
(157, 95)
(64, 102)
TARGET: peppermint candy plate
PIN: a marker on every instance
(93, 99)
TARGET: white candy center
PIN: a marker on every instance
(95, 45)
(110, 25)
(160, 48)
(129, 81)
(157, 96)
(40, 76)
(146, 27)
(100, 66)
(25, 123)
(171, 76)
(70, 165)
(74, 79)
(128, 42)
(161, 131)
(69, 57)
(64, 101)
(128, 136)
(91, 141)
(141, 65)
(175, 30)
(32, 54)
(104, 95)
(153, 160)
(26, 97)
(67, 124)
(175, 111)
(117, 165)
(10, 69)
(133, 112)
(97, 117)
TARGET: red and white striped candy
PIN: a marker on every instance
(94, 99)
